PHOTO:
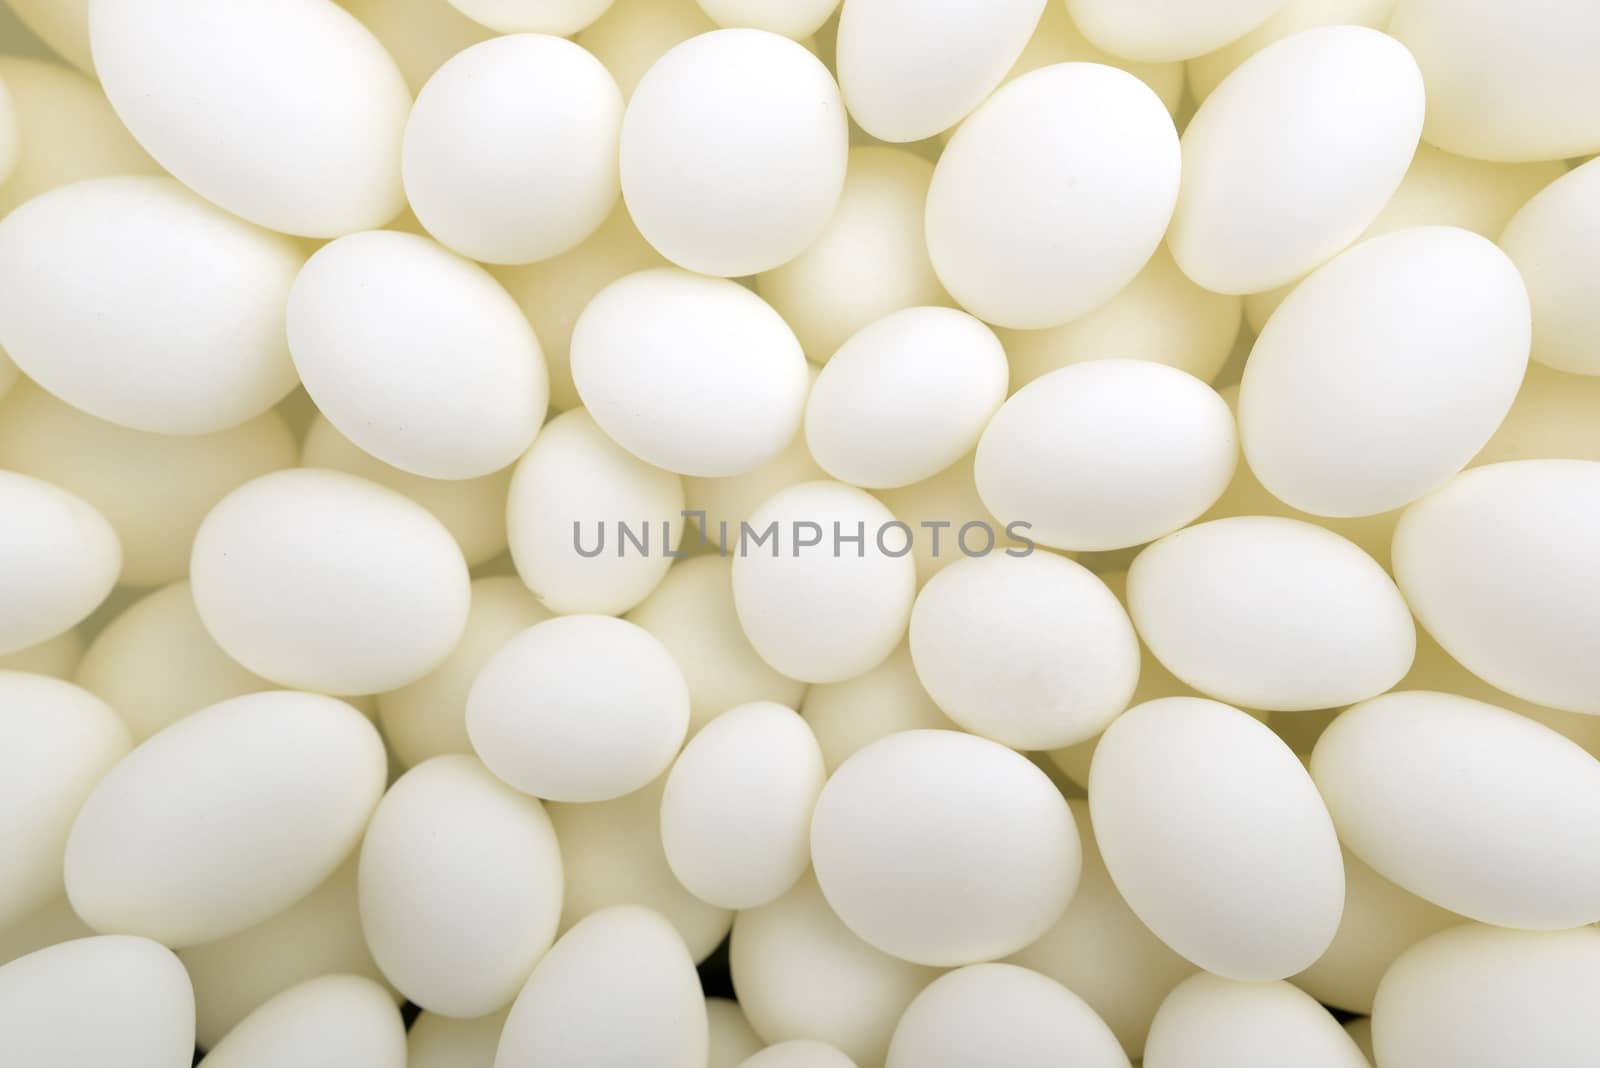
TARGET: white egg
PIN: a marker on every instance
(559, 17)
(1107, 454)
(1499, 566)
(318, 935)
(910, 70)
(579, 708)
(695, 375)
(472, 509)
(692, 613)
(154, 489)
(736, 812)
(571, 498)
(435, 1041)
(1477, 809)
(1160, 316)
(1159, 30)
(1209, 1020)
(496, 174)
(1271, 613)
(1553, 241)
(97, 1001)
(1293, 155)
(1506, 83)
(428, 718)
(798, 19)
(800, 973)
(202, 87)
(187, 331)
(733, 152)
(56, 742)
(343, 1018)
(66, 131)
(1484, 997)
(1214, 833)
(1206, 72)
(1053, 195)
(1105, 954)
(970, 831)
(848, 716)
(870, 260)
(1385, 372)
(155, 663)
(421, 35)
(798, 1053)
(1001, 1014)
(622, 965)
(732, 1039)
(225, 818)
(613, 855)
(1380, 922)
(416, 355)
(287, 581)
(819, 589)
(1034, 652)
(633, 34)
(905, 397)
(59, 558)
(460, 887)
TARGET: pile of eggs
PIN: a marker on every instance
(800, 534)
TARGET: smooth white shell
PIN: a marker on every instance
(569, 493)
(225, 818)
(822, 612)
(1385, 372)
(1211, 1021)
(435, 1041)
(617, 989)
(733, 152)
(416, 355)
(1482, 997)
(460, 886)
(495, 173)
(695, 375)
(56, 742)
(1053, 195)
(287, 581)
(1102, 952)
(428, 718)
(97, 1001)
(1001, 1014)
(792, 18)
(905, 397)
(472, 509)
(848, 716)
(560, 17)
(1107, 454)
(331, 1019)
(1552, 240)
(59, 558)
(155, 663)
(613, 855)
(870, 260)
(202, 88)
(154, 489)
(1034, 652)
(693, 614)
(318, 935)
(1159, 30)
(736, 812)
(910, 70)
(1271, 613)
(1233, 860)
(1293, 155)
(1507, 83)
(800, 973)
(187, 335)
(579, 708)
(1500, 567)
(970, 831)
(1405, 775)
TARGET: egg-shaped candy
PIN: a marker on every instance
(59, 558)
